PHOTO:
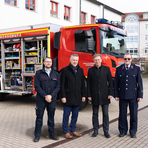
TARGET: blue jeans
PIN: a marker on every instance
(40, 107)
(66, 114)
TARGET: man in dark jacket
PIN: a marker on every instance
(100, 91)
(72, 94)
(47, 85)
(128, 91)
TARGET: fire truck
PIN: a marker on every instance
(22, 51)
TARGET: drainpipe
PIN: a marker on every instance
(80, 13)
(103, 12)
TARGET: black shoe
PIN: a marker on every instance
(36, 139)
(122, 134)
(107, 135)
(133, 135)
(94, 134)
(54, 137)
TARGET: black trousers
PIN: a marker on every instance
(133, 107)
(40, 107)
(95, 120)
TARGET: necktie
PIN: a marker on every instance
(126, 68)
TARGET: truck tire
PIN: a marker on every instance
(2, 96)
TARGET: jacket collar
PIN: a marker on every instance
(100, 68)
(73, 68)
(43, 69)
(131, 67)
(70, 65)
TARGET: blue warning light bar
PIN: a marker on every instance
(114, 23)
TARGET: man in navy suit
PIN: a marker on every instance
(128, 91)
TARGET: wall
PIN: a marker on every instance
(143, 42)
(12, 16)
(111, 16)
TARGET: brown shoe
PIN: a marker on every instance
(76, 134)
(68, 136)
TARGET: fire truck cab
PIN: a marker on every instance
(104, 37)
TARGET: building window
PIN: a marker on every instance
(53, 9)
(146, 50)
(83, 18)
(146, 37)
(30, 4)
(146, 26)
(92, 19)
(11, 2)
(132, 51)
(145, 15)
(135, 52)
(66, 13)
(131, 28)
(132, 39)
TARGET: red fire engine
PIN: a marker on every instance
(23, 51)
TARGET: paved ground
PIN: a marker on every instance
(17, 120)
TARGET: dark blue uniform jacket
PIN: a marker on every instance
(128, 83)
(45, 85)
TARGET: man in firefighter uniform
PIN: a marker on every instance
(47, 85)
(128, 91)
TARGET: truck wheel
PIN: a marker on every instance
(83, 104)
(2, 96)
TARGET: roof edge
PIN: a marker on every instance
(107, 7)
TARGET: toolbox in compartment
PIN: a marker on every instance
(37, 67)
(31, 59)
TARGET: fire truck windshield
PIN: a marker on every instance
(112, 43)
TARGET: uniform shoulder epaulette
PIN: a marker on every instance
(137, 65)
(118, 66)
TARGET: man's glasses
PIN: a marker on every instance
(127, 59)
(47, 61)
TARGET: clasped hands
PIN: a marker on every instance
(48, 98)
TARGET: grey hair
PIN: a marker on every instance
(128, 54)
(74, 55)
(97, 55)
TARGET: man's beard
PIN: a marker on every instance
(47, 67)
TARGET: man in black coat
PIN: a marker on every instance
(128, 91)
(72, 94)
(47, 85)
(100, 91)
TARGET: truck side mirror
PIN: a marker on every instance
(56, 40)
(89, 40)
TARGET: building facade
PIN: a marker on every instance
(16, 13)
(136, 25)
